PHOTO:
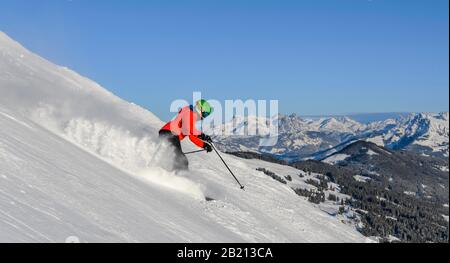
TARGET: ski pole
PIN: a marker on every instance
(226, 165)
(195, 151)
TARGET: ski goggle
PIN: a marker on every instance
(205, 114)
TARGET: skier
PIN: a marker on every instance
(182, 126)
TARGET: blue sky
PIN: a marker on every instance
(316, 57)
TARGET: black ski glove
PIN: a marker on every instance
(205, 138)
(207, 147)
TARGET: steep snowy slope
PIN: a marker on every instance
(75, 161)
(51, 190)
(73, 106)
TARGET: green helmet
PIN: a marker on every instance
(203, 108)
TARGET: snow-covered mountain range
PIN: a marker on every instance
(77, 163)
(303, 138)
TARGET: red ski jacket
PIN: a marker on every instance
(184, 126)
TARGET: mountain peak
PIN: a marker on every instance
(364, 145)
(444, 115)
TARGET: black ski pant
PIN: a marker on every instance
(181, 162)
